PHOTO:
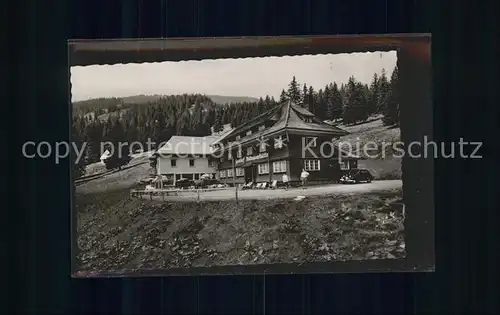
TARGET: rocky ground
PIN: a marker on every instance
(117, 233)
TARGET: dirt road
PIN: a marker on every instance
(332, 189)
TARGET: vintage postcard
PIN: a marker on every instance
(286, 160)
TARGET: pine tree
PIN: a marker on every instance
(197, 113)
(373, 94)
(361, 90)
(283, 96)
(93, 139)
(328, 111)
(391, 110)
(383, 90)
(116, 135)
(183, 124)
(261, 106)
(269, 102)
(355, 103)
(132, 133)
(319, 103)
(336, 100)
(304, 96)
(218, 127)
(294, 91)
(311, 99)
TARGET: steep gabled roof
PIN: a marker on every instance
(188, 145)
(253, 122)
(290, 117)
(295, 121)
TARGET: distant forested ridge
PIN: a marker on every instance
(158, 117)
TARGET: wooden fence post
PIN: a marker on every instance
(234, 180)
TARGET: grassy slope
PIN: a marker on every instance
(116, 232)
(126, 178)
(374, 131)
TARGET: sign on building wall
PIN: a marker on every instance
(243, 160)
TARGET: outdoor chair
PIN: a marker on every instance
(274, 184)
(258, 186)
(264, 185)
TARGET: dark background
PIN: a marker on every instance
(465, 69)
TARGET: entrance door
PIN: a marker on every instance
(248, 174)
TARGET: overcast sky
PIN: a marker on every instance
(252, 77)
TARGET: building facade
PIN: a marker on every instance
(186, 157)
(284, 140)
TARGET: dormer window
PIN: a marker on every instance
(249, 151)
(239, 154)
(249, 132)
(229, 155)
(238, 137)
(262, 127)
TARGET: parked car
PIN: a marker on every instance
(205, 182)
(184, 183)
(356, 176)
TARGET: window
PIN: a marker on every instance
(239, 154)
(240, 171)
(238, 138)
(263, 168)
(279, 167)
(278, 142)
(191, 163)
(249, 151)
(311, 165)
(345, 165)
(229, 155)
(211, 163)
(249, 132)
(311, 142)
(222, 174)
(229, 173)
(173, 163)
(353, 163)
(262, 127)
(308, 119)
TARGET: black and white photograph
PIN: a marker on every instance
(237, 162)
